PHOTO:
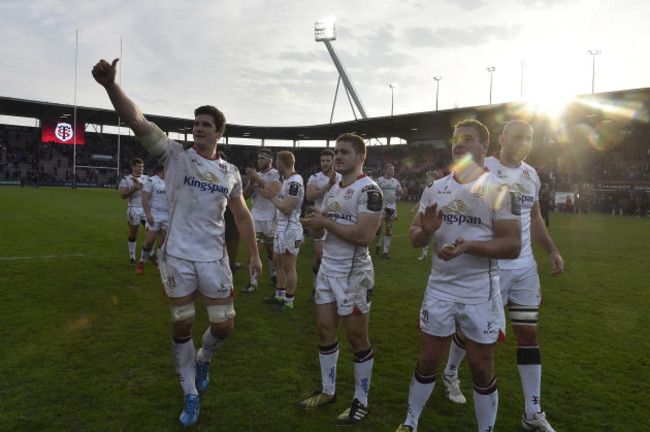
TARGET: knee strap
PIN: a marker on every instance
(221, 313)
(182, 312)
(523, 315)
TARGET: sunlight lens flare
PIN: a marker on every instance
(465, 168)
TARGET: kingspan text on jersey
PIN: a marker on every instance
(205, 186)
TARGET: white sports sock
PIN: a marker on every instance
(387, 240)
(456, 355)
(132, 249)
(328, 357)
(272, 271)
(143, 255)
(362, 376)
(419, 391)
(210, 345)
(530, 372)
(252, 275)
(184, 358)
(425, 250)
(486, 402)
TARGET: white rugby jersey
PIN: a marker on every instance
(525, 184)
(156, 187)
(343, 204)
(469, 211)
(263, 209)
(198, 189)
(319, 180)
(390, 188)
(292, 187)
(127, 181)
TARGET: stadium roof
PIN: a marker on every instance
(431, 125)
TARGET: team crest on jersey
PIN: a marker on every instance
(479, 191)
(424, 316)
(526, 174)
(170, 283)
(348, 194)
(500, 174)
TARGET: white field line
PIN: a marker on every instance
(40, 257)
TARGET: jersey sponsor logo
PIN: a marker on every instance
(453, 214)
(294, 189)
(522, 193)
(333, 212)
(205, 185)
(444, 191)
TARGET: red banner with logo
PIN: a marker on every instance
(62, 132)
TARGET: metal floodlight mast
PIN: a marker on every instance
(325, 31)
(491, 70)
(593, 54)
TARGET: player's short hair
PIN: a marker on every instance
(287, 158)
(219, 118)
(388, 165)
(136, 161)
(515, 122)
(480, 128)
(358, 144)
(327, 152)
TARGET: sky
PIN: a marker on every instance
(258, 62)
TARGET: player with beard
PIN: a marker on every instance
(350, 215)
(317, 186)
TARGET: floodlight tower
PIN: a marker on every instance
(325, 31)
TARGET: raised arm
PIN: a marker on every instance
(104, 73)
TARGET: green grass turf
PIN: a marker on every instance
(85, 342)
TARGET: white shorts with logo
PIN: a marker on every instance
(160, 222)
(267, 228)
(287, 242)
(389, 214)
(349, 293)
(182, 277)
(521, 286)
(479, 322)
(135, 215)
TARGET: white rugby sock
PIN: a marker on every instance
(144, 254)
(210, 345)
(486, 402)
(252, 275)
(184, 358)
(363, 363)
(530, 372)
(419, 391)
(456, 355)
(425, 250)
(328, 357)
(387, 240)
(272, 271)
(131, 249)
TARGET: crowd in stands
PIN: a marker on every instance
(575, 168)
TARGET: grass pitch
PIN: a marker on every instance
(86, 341)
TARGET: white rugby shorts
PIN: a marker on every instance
(182, 277)
(267, 228)
(135, 215)
(389, 214)
(287, 242)
(521, 286)
(160, 222)
(479, 322)
(352, 294)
